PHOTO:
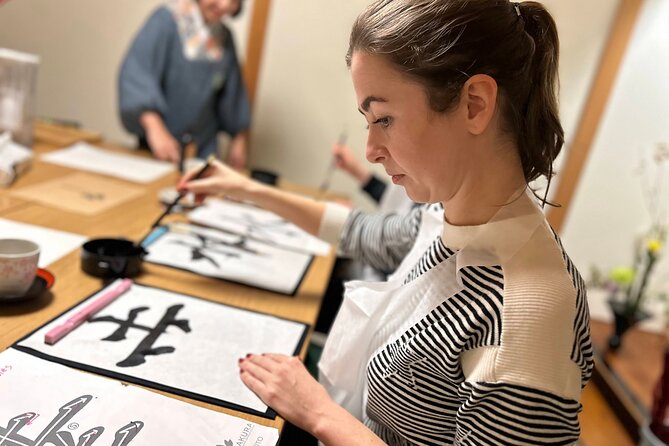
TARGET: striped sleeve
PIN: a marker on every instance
(581, 352)
(509, 414)
(380, 240)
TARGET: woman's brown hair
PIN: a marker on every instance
(441, 43)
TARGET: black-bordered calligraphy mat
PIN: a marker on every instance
(215, 253)
(173, 342)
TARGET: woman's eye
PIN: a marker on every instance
(384, 122)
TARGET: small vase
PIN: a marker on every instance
(623, 319)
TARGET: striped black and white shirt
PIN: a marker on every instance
(500, 362)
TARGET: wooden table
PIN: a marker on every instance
(131, 220)
(627, 377)
(58, 135)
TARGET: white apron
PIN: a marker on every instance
(370, 312)
(374, 314)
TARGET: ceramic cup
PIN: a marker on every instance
(18, 266)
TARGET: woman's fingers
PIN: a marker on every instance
(206, 186)
(257, 366)
(284, 384)
(259, 374)
(186, 177)
(254, 384)
(212, 173)
(276, 357)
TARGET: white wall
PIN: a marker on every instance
(608, 211)
(583, 29)
(305, 97)
(81, 44)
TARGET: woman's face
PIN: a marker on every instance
(215, 10)
(420, 149)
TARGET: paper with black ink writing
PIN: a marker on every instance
(48, 404)
(214, 253)
(174, 342)
(257, 224)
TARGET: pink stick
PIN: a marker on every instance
(57, 333)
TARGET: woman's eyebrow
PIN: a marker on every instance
(368, 100)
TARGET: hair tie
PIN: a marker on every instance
(516, 6)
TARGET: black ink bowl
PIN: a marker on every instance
(112, 257)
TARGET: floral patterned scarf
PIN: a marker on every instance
(200, 41)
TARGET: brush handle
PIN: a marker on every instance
(325, 185)
(176, 200)
(182, 194)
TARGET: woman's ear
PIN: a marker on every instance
(480, 96)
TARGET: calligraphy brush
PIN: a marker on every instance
(186, 139)
(325, 185)
(177, 199)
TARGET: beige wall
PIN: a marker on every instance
(81, 44)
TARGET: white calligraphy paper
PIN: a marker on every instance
(84, 156)
(174, 342)
(257, 224)
(45, 403)
(53, 244)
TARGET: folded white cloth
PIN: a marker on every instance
(14, 159)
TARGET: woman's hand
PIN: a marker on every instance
(217, 179)
(346, 160)
(160, 140)
(221, 179)
(284, 384)
(238, 154)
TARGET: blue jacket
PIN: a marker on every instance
(199, 97)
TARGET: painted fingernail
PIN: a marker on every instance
(248, 355)
(240, 360)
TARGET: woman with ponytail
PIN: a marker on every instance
(481, 336)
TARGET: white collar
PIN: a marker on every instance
(498, 240)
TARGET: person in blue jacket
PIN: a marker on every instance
(181, 82)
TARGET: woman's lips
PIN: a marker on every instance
(397, 178)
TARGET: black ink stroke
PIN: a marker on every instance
(145, 347)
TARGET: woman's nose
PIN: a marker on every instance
(375, 151)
